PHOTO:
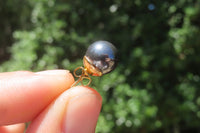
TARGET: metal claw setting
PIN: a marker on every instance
(82, 76)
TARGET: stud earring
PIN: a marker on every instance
(100, 59)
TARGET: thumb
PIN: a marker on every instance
(74, 111)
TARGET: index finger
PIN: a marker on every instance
(25, 94)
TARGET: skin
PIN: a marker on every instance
(48, 101)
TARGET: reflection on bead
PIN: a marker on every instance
(100, 58)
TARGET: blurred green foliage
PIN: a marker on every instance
(156, 86)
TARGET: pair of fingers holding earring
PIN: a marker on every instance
(47, 100)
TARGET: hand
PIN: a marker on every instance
(46, 99)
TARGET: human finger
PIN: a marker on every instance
(16, 128)
(74, 111)
(23, 95)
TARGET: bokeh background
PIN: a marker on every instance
(156, 85)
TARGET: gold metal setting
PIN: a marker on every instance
(83, 75)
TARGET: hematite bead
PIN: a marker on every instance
(100, 58)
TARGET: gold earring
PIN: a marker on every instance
(100, 59)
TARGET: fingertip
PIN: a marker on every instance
(59, 79)
(82, 111)
(16, 128)
(80, 90)
(29, 93)
(76, 110)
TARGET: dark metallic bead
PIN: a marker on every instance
(100, 58)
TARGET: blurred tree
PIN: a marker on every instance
(155, 87)
(12, 17)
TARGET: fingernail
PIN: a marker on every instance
(53, 72)
(82, 114)
(61, 79)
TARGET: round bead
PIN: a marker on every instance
(100, 58)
